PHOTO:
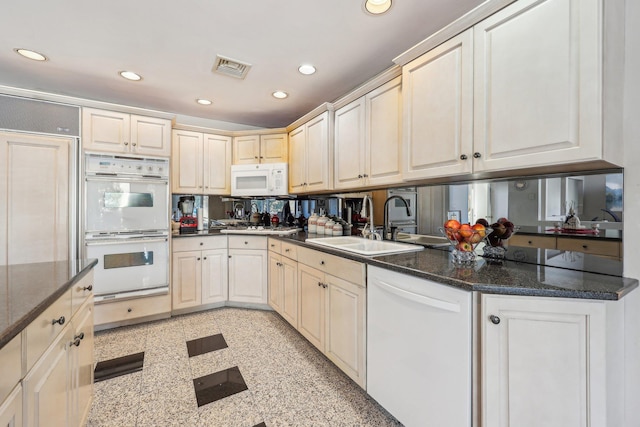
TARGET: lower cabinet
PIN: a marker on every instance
(544, 362)
(332, 310)
(283, 286)
(248, 269)
(11, 409)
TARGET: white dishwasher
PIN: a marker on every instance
(419, 349)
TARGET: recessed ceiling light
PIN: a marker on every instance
(280, 94)
(130, 75)
(203, 101)
(376, 7)
(307, 69)
(31, 54)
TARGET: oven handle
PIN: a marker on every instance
(126, 179)
(123, 241)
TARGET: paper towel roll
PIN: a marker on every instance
(200, 223)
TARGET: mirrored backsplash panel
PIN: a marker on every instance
(532, 201)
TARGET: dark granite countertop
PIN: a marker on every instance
(209, 232)
(587, 233)
(26, 290)
(543, 273)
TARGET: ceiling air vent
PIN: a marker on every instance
(231, 67)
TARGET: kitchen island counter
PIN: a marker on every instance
(26, 290)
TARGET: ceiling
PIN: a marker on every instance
(173, 45)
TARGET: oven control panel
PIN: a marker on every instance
(97, 164)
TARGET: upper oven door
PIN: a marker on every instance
(126, 204)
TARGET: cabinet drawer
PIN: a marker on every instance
(11, 366)
(247, 242)
(42, 331)
(182, 244)
(275, 245)
(80, 291)
(290, 250)
(351, 271)
(589, 246)
(122, 311)
(544, 242)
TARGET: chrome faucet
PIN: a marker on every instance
(385, 224)
(371, 234)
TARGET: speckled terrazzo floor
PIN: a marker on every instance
(289, 382)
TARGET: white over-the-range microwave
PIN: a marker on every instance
(266, 179)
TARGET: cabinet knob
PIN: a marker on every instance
(530, 242)
(477, 155)
(287, 250)
(126, 143)
(255, 157)
(129, 310)
(365, 175)
(59, 321)
(273, 245)
(80, 336)
(319, 284)
(262, 157)
(75, 342)
(134, 144)
(321, 262)
(88, 288)
(359, 176)
(229, 256)
(246, 243)
(198, 259)
(584, 246)
(463, 157)
(204, 257)
(494, 319)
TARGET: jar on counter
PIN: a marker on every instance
(328, 227)
(312, 223)
(337, 229)
(321, 223)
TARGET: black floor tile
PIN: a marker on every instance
(218, 385)
(205, 345)
(262, 424)
(119, 366)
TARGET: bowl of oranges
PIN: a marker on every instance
(464, 238)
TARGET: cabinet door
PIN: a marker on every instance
(246, 149)
(350, 145)
(297, 160)
(248, 276)
(186, 279)
(81, 365)
(11, 409)
(346, 327)
(214, 276)
(437, 91)
(543, 362)
(46, 387)
(150, 136)
(318, 153)
(186, 167)
(273, 148)
(538, 83)
(383, 134)
(290, 291)
(275, 281)
(34, 189)
(217, 164)
(105, 130)
(311, 305)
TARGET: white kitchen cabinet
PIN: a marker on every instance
(251, 149)
(248, 270)
(81, 360)
(115, 132)
(283, 280)
(367, 139)
(199, 272)
(310, 155)
(544, 362)
(437, 92)
(332, 310)
(201, 163)
(11, 409)
(37, 166)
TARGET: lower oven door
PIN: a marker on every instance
(129, 268)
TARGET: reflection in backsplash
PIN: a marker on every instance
(537, 201)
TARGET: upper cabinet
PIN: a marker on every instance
(309, 155)
(200, 163)
(367, 139)
(527, 87)
(114, 132)
(251, 149)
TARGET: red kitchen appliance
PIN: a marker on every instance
(188, 222)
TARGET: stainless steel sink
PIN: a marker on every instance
(366, 247)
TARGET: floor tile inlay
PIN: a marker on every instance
(112, 368)
(205, 345)
(262, 424)
(218, 385)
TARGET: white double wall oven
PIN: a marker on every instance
(126, 225)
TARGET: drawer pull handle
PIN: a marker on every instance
(88, 288)
(60, 321)
(79, 336)
(494, 319)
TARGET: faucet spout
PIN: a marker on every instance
(385, 224)
(372, 228)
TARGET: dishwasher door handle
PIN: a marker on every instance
(420, 299)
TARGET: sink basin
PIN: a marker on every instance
(366, 247)
(426, 240)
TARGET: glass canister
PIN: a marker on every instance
(312, 223)
(320, 226)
